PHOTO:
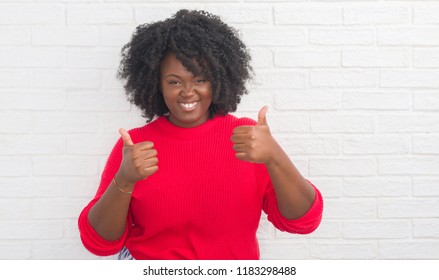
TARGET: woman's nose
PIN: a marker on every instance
(188, 90)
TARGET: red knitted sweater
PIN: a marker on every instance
(203, 203)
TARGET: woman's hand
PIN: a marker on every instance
(254, 143)
(139, 161)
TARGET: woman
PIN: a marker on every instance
(191, 184)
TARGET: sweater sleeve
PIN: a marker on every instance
(91, 240)
(303, 225)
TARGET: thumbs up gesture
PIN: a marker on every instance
(139, 160)
(254, 143)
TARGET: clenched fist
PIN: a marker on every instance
(139, 160)
(254, 143)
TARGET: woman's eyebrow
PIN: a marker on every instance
(179, 77)
(172, 75)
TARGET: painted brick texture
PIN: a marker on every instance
(353, 92)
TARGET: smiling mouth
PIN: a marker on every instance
(189, 106)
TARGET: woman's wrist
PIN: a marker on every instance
(122, 184)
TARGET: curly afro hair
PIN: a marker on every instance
(203, 43)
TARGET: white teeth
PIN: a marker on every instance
(189, 106)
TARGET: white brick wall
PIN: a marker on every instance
(353, 91)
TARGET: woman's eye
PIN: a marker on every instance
(174, 82)
(200, 81)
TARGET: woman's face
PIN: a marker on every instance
(187, 97)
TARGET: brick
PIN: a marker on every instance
(281, 249)
(414, 250)
(60, 250)
(15, 209)
(301, 163)
(343, 37)
(408, 165)
(32, 187)
(329, 187)
(376, 229)
(71, 229)
(153, 1)
(343, 78)
(307, 14)
(149, 14)
(426, 13)
(255, 1)
(99, 58)
(408, 123)
(57, 208)
(116, 35)
(255, 100)
(31, 57)
(111, 122)
(279, 79)
(382, 57)
(377, 187)
(273, 36)
(266, 230)
(22, 230)
(409, 78)
(15, 36)
(111, 82)
(15, 166)
(342, 123)
(75, 1)
(91, 14)
(309, 145)
(14, 250)
(84, 187)
(15, 122)
(428, 187)
(15, 78)
(97, 101)
(18, 187)
(54, 122)
(345, 250)
(31, 99)
(377, 15)
(65, 166)
(326, 230)
(70, 79)
(306, 58)
(343, 167)
(31, 145)
(90, 144)
(361, 145)
(426, 100)
(426, 58)
(426, 228)
(365, 208)
(287, 122)
(408, 208)
(261, 57)
(312, 99)
(235, 14)
(17, 14)
(408, 36)
(65, 36)
(376, 100)
(426, 144)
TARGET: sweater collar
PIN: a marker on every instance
(169, 129)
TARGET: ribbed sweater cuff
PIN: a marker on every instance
(93, 242)
(309, 221)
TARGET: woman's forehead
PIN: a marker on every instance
(170, 63)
